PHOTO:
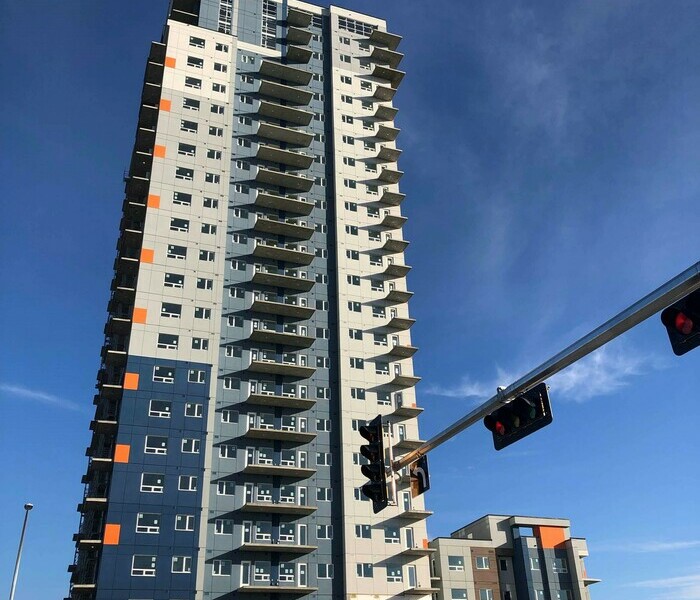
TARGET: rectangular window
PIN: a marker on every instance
(482, 562)
(346, 99)
(325, 571)
(196, 376)
(156, 444)
(221, 568)
(193, 410)
(225, 488)
(210, 203)
(174, 280)
(348, 139)
(147, 523)
(164, 374)
(324, 494)
(392, 535)
(196, 42)
(212, 178)
(485, 594)
(559, 565)
(324, 459)
(186, 149)
(365, 570)
(184, 173)
(358, 393)
(143, 565)
(458, 593)
(188, 126)
(455, 563)
(205, 284)
(200, 343)
(217, 109)
(190, 104)
(207, 255)
(221, 47)
(223, 527)
(202, 313)
(534, 563)
(357, 363)
(355, 334)
(182, 198)
(227, 451)
(363, 531)
(208, 228)
(170, 311)
(190, 446)
(159, 408)
(324, 532)
(193, 82)
(215, 154)
(187, 483)
(220, 67)
(216, 131)
(393, 573)
(182, 564)
(184, 522)
(354, 306)
(218, 87)
(167, 341)
(182, 225)
(152, 483)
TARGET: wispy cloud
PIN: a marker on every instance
(603, 372)
(24, 393)
(651, 546)
(684, 587)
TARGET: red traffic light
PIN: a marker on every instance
(684, 324)
(494, 425)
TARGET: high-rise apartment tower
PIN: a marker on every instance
(258, 317)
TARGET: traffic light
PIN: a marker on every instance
(682, 322)
(375, 470)
(522, 416)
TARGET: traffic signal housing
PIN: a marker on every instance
(682, 322)
(375, 470)
(519, 418)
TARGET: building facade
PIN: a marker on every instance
(511, 558)
(258, 316)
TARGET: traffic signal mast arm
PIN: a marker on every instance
(672, 291)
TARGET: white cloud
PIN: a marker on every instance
(603, 372)
(684, 587)
(648, 547)
(24, 393)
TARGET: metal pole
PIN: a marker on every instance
(670, 292)
(27, 508)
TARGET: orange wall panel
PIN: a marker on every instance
(170, 61)
(550, 537)
(165, 105)
(153, 201)
(112, 531)
(159, 151)
(121, 453)
(146, 255)
(131, 381)
(139, 315)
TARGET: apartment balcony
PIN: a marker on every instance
(145, 140)
(395, 271)
(385, 112)
(282, 589)
(393, 221)
(393, 246)
(278, 508)
(385, 39)
(406, 410)
(118, 324)
(114, 355)
(148, 116)
(100, 463)
(286, 73)
(300, 160)
(104, 425)
(295, 35)
(405, 381)
(384, 93)
(154, 72)
(421, 591)
(398, 296)
(388, 154)
(298, 18)
(290, 471)
(277, 548)
(402, 351)
(282, 401)
(136, 186)
(185, 11)
(284, 338)
(414, 514)
(284, 309)
(289, 114)
(150, 93)
(286, 227)
(298, 55)
(285, 134)
(407, 445)
(393, 76)
(387, 132)
(392, 198)
(270, 249)
(282, 280)
(281, 368)
(400, 323)
(295, 95)
(418, 551)
(389, 175)
(292, 204)
(134, 207)
(283, 435)
(384, 56)
(284, 179)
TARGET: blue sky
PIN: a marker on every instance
(551, 152)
